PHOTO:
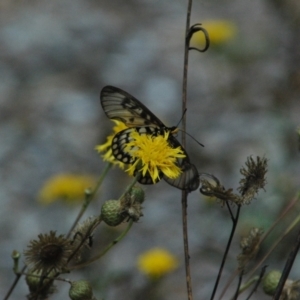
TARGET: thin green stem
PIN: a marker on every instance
(113, 243)
(18, 276)
(289, 207)
(93, 226)
(287, 231)
(129, 187)
(246, 285)
(89, 196)
(287, 268)
(235, 222)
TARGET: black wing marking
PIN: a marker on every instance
(122, 138)
(148, 180)
(189, 178)
(119, 105)
(119, 144)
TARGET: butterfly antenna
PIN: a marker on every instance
(190, 137)
(181, 118)
(177, 129)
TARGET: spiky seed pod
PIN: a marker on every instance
(49, 252)
(250, 245)
(271, 281)
(81, 290)
(111, 213)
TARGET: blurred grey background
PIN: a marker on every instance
(243, 100)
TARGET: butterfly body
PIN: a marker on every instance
(121, 106)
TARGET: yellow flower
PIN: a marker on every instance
(154, 155)
(219, 31)
(106, 147)
(68, 187)
(157, 262)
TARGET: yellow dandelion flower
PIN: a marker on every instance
(106, 147)
(219, 31)
(67, 187)
(157, 262)
(153, 155)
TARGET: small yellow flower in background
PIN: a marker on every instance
(157, 262)
(67, 187)
(219, 32)
(106, 147)
(153, 154)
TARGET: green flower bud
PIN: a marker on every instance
(81, 290)
(111, 213)
(271, 281)
(137, 194)
(33, 281)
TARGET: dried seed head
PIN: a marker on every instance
(211, 186)
(254, 178)
(250, 246)
(49, 252)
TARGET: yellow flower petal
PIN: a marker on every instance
(154, 155)
(157, 262)
(106, 147)
(68, 187)
(219, 31)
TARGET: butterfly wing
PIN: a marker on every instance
(189, 178)
(119, 105)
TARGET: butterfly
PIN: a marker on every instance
(121, 106)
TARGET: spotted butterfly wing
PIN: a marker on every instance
(189, 178)
(119, 105)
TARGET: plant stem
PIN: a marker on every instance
(235, 222)
(113, 243)
(184, 193)
(89, 197)
(18, 276)
(287, 267)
